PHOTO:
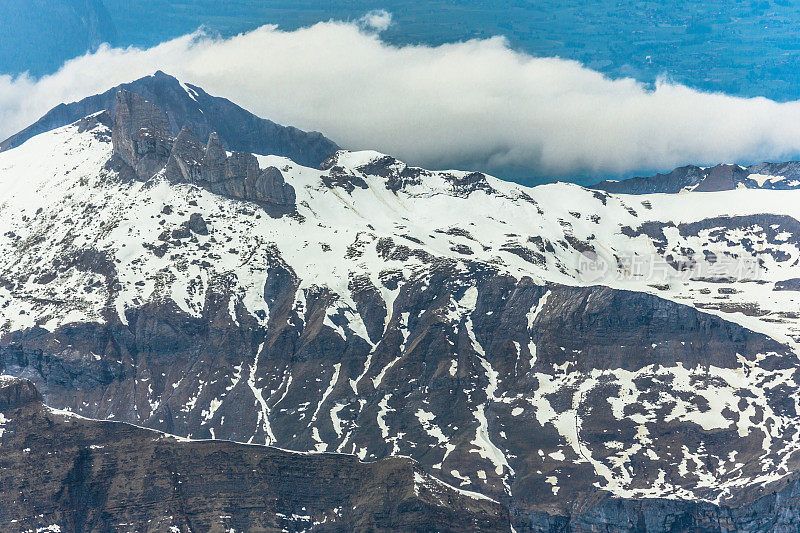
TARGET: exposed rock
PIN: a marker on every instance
(240, 176)
(140, 135)
(193, 361)
(267, 185)
(197, 224)
(214, 160)
(672, 182)
(186, 159)
(778, 176)
(372, 322)
(721, 178)
(141, 141)
(788, 285)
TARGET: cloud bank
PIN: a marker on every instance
(474, 105)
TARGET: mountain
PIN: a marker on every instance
(107, 476)
(774, 176)
(190, 106)
(587, 360)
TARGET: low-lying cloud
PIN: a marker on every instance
(475, 104)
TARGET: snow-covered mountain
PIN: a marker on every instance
(579, 356)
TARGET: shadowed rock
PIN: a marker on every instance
(141, 141)
(186, 160)
(709, 179)
(93, 476)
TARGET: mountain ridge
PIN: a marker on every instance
(109, 476)
(724, 177)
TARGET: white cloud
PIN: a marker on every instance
(378, 20)
(474, 104)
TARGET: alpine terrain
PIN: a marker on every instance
(210, 322)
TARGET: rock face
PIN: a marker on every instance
(188, 105)
(140, 135)
(240, 176)
(87, 475)
(588, 360)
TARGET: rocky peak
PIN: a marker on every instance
(141, 141)
(190, 106)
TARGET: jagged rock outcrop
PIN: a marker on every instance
(190, 106)
(240, 176)
(141, 141)
(186, 158)
(67, 473)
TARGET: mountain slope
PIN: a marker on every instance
(555, 348)
(188, 105)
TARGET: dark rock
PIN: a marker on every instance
(214, 160)
(721, 178)
(267, 185)
(788, 285)
(142, 146)
(716, 178)
(189, 362)
(673, 182)
(16, 393)
(197, 224)
(186, 159)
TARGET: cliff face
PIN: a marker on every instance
(86, 475)
(62, 472)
